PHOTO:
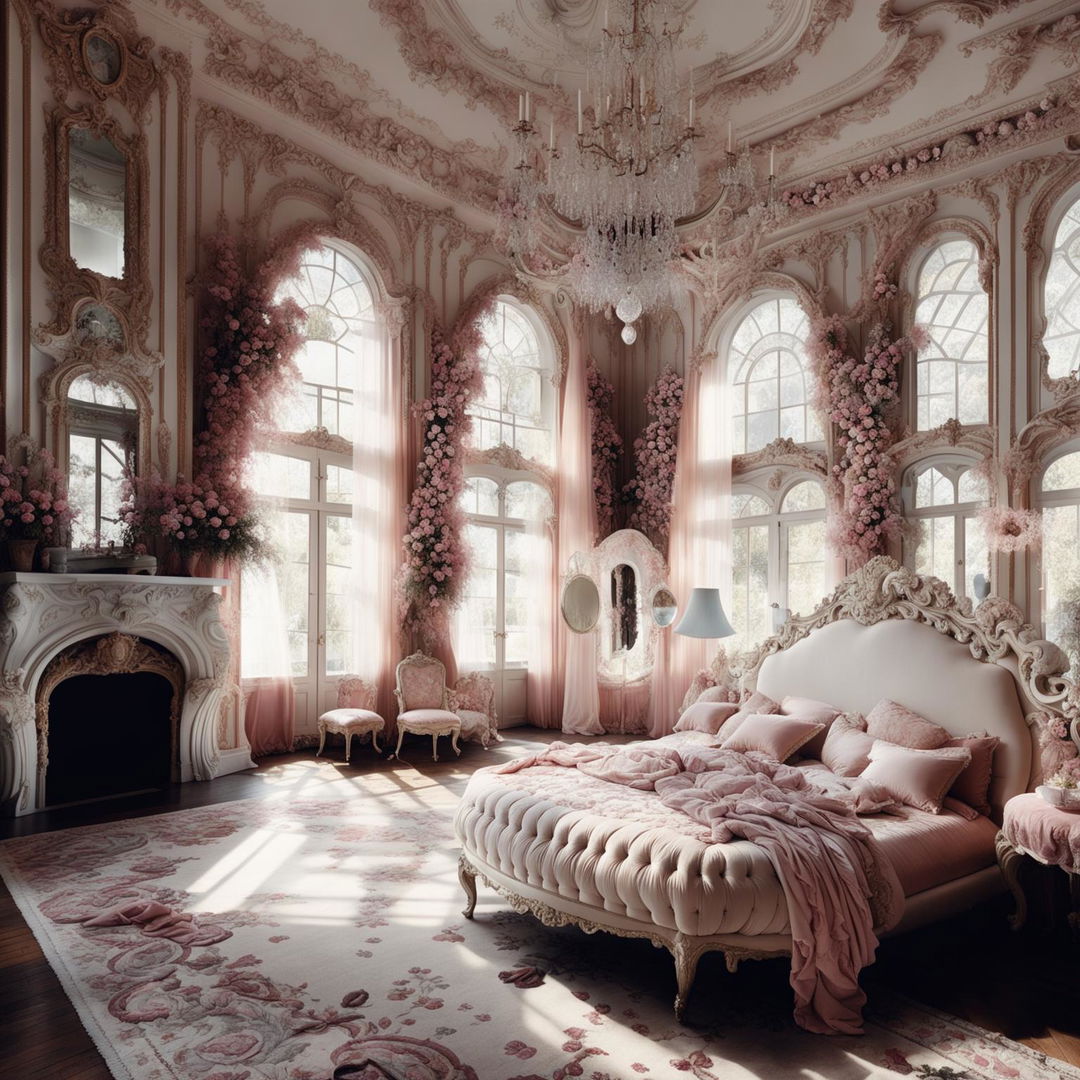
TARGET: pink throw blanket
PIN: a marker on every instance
(838, 883)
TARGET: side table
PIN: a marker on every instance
(1031, 826)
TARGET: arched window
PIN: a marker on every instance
(101, 438)
(952, 370)
(943, 498)
(310, 477)
(1059, 497)
(778, 557)
(770, 377)
(517, 405)
(1061, 297)
(506, 517)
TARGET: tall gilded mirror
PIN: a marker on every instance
(102, 438)
(97, 202)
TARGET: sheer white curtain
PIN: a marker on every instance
(544, 702)
(379, 486)
(699, 549)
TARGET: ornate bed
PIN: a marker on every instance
(619, 864)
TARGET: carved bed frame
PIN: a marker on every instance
(882, 590)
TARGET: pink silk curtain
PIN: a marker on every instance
(269, 717)
(543, 682)
(699, 547)
(577, 531)
(380, 494)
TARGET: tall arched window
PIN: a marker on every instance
(952, 370)
(770, 377)
(1059, 497)
(309, 474)
(517, 405)
(1061, 297)
(943, 498)
(778, 556)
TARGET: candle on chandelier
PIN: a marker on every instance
(772, 162)
(551, 135)
(580, 115)
(691, 112)
(730, 137)
(526, 106)
(521, 108)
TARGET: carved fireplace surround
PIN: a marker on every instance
(43, 614)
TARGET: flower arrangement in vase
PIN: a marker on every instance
(606, 448)
(33, 505)
(433, 572)
(655, 451)
(1062, 789)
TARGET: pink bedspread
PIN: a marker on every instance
(839, 885)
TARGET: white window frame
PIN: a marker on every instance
(1064, 497)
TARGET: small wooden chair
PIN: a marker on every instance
(355, 714)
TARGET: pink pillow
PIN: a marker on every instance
(919, 778)
(707, 716)
(896, 724)
(846, 750)
(777, 736)
(715, 693)
(808, 709)
(973, 784)
(759, 704)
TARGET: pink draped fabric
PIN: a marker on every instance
(577, 531)
(380, 494)
(269, 717)
(543, 685)
(625, 708)
(699, 547)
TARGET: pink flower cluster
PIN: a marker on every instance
(884, 289)
(859, 396)
(877, 172)
(1068, 774)
(654, 452)
(247, 365)
(1008, 529)
(33, 499)
(435, 558)
(606, 448)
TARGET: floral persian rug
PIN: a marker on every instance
(318, 930)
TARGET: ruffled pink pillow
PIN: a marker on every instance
(897, 724)
(759, 704)
(707, 716)
(808, 709)
(973, 784)
(846, 749)
(918, 778)
(716, 693)
(777, 736)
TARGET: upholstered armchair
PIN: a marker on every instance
(423, 702)
(355, 714)
(473, 699)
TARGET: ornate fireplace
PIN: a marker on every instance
(56, 626)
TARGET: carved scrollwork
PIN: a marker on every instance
(782, 451)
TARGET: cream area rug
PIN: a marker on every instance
(318, 931)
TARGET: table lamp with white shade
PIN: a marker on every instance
(704, 617)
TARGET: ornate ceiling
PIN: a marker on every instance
(824, 82)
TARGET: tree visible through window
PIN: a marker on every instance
(1061, 297)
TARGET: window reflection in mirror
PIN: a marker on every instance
(97, 188)
(624, 608)
(102, 431)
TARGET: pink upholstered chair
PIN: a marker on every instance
(355, 714)
(422, 699)
(473, 699)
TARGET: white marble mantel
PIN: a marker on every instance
(42, 614)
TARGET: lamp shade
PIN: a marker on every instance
(704, 616)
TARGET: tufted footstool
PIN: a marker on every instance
(1031, 826)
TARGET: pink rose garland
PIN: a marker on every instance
(606, 448)
(654, 451)
(433, 573)
(859, 398)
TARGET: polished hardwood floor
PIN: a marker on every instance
(1024, 985)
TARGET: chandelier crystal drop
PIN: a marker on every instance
(630, 173)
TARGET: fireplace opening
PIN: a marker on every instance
(108, 735)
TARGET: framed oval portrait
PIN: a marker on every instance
(103, 56)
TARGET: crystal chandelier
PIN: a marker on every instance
(629, 174)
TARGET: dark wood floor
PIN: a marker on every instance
(1024, 985)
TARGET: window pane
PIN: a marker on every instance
(770, 380)
(338, 652)
(477, 615)
(806, 549)
(936, 552)
(743, 506)
(809, 495)
(976, 554)
(1061, 297)
(1062, 474)
(750, 611)
(972, 487)
(339, 484)
(1061, 576)
(952, 379)
(527, 500)
(933, 488)
(281, 476)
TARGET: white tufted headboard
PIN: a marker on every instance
(887, 632)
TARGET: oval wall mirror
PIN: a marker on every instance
(580, 603)
(97, 194)
(664, 606)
